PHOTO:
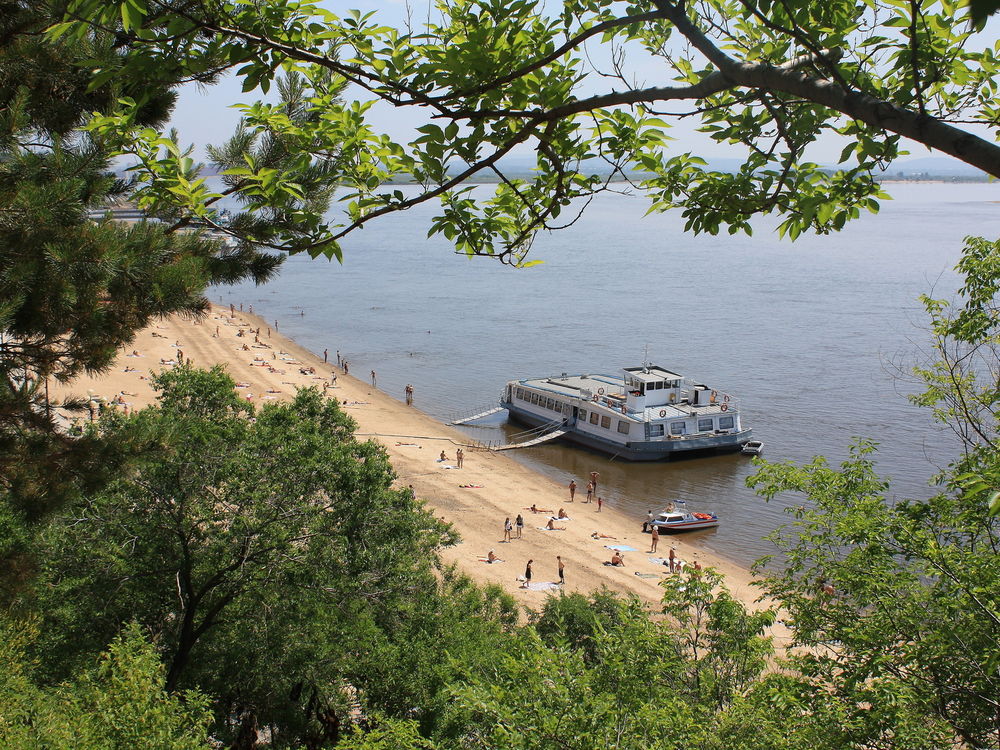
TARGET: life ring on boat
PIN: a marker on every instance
(600, 391)
(663, 412)
(725, 407)
(725, 397)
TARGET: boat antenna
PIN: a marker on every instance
(645, 359)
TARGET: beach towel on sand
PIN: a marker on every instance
(621, 547)
(542, 586)
(647, 575)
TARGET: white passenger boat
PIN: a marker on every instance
(644, 414)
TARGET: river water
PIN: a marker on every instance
(805, 334)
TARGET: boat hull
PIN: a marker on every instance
(656, 450)
(686, 526)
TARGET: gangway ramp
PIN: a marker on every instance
(480, 415)
(534, 441)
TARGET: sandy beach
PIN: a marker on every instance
(477, 498)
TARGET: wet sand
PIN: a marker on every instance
(476, 498)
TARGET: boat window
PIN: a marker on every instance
(704, 425)
(582, 415)
(656, 430)
(594, 416)
(677, 428)
(550, 403)
(534, 398)
(727, 423)
(623, 427)
(520, 393)
(606, 423)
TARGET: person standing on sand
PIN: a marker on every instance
(590, 492)
(600, 502)
(519, 524)
(373, 379)
(347, 370)
(527, 575)
(562, 572)
(572, 489)
(593, 479)
(460, 457)
(672, 559)
(507, 528)
(654, 538)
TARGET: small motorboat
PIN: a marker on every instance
(681, 520)
(752, 448)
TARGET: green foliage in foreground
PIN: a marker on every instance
(117, 703)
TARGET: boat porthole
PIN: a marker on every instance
(663, 412)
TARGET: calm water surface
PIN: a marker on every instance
(804, 333)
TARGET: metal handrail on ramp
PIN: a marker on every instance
(544, 438)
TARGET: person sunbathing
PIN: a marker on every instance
(562, 514)
(617, 560)
(598, 535)
(492, 557)
(551, 526)
(533, 509)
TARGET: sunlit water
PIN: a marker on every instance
(803, 333)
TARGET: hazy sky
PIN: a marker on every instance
(205, 115)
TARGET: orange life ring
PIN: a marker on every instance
(663, 412)
(725, 407)
(600, 391)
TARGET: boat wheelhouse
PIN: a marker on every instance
(644, 414)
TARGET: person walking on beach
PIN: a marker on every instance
(572, 489)
(507, 528)
(562, 572)
(600, 502)
(347, 370)
(373, 379)
(654, 538)
(527, 575)
(460, 457)
(590, 492)
(519, 524)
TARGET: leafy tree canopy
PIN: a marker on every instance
(498, 76)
